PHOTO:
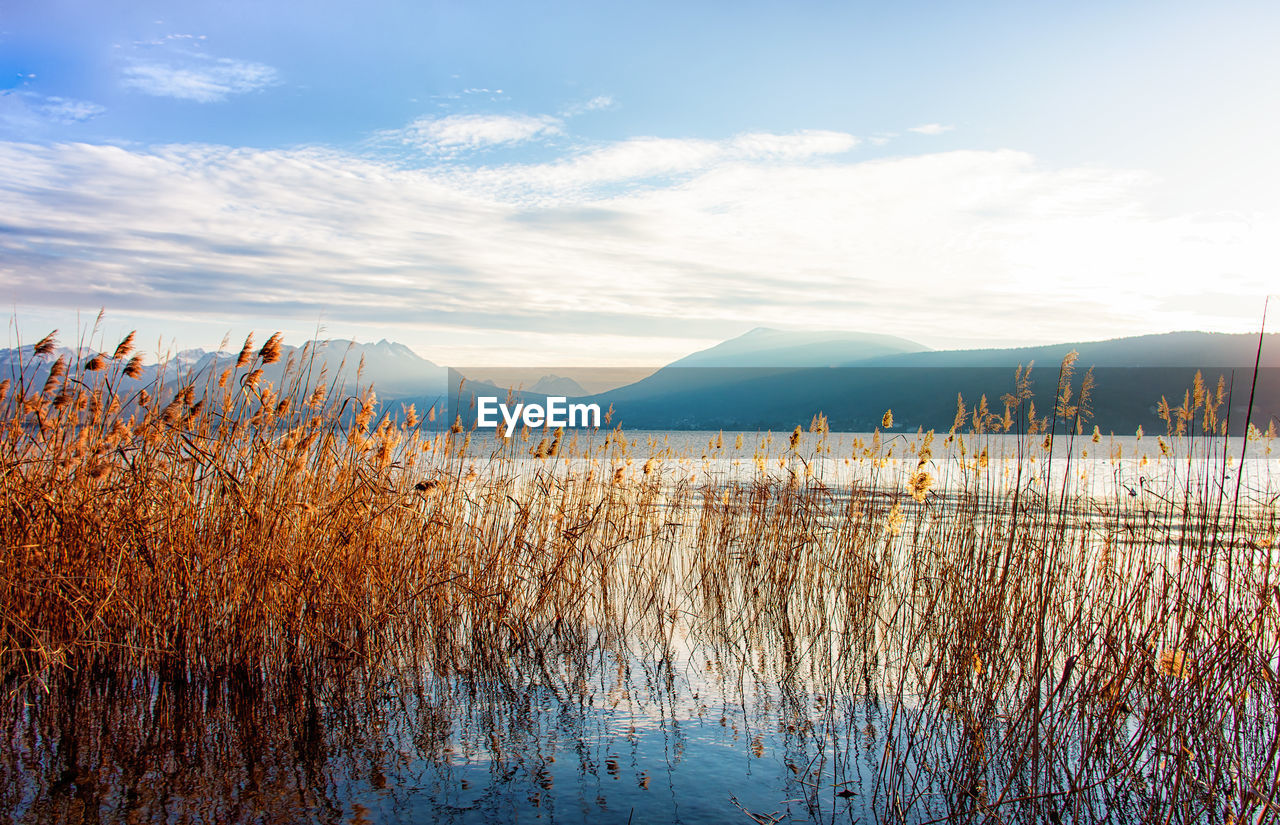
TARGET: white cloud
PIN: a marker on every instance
(469, 132)
(595, 104)
(627, 160)
(70, 110)
(650, 159)
(756, 229)
(458, 133)
(198, 78)
(29, 115)
(930, 129)
(170, 39)
(796, 145)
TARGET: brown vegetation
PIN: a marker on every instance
(1035, 649)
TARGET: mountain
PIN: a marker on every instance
(1170, 349)
(22, 362)
(752, 357)
(774, 379)
(557, 385)
(765, 347)
(716, 389)
(395, 371)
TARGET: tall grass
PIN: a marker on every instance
(1042, 646)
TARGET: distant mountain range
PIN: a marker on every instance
(763, 347)
(393, 369)
(557, 385)
(772, 379)
(776, 379)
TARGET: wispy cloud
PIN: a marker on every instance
(649, 159)
(455, 134)
(795, 145)
(70, 110)
(199, 78)
(468, 132)
(29, 114)
(595, 104)
(614, 243)
(930, 129)
(170, 39)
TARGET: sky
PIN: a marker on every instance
(622, 184)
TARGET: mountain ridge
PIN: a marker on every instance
(852, 377)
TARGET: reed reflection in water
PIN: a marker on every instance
(244, 605)
(616, 743)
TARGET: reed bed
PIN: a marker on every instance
(1031, 647)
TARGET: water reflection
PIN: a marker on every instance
(764, 652)
(627, 742)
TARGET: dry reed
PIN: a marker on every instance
(1037, 653)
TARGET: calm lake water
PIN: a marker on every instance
(1112, 465)
(617, 743)
(644, 726)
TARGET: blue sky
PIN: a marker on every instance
(623, 183)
